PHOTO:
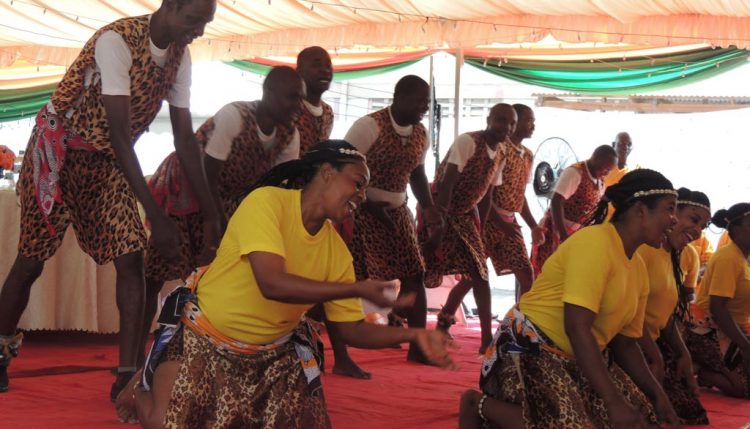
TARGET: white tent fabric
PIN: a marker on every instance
(46, 32)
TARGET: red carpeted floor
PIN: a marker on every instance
(62, 381)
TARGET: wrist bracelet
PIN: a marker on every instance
(481, 405)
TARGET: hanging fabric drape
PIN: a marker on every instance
(595, 74)
(343, 69)
(616, 76)
(23, 103)
(262, 69)
(18, 104)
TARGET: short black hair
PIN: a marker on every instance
(522, 109)
(310, 50)
(279, 74)
(408, 85)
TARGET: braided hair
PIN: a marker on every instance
(685, 198)
(297, 173)
(644, 185)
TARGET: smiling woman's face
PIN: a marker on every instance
(345, 189)
(691, 220)
(658, 221)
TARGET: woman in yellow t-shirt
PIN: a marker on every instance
(721, 313)
(243, 354)
(705, 251)
(723, 240)
(547, 366)
(667, 303)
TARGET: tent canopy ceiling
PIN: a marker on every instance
(45, 32)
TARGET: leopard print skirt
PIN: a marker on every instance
(382, 253)
(684, 401)
(220, 390)
(190, 229)
(555, 394)
(96, 200)
(508, 254)
(461, 251)
(706, 352)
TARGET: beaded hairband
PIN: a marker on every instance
(351, 152)
(345, 151)
(736, 218)
(693, 203)
(640, 194)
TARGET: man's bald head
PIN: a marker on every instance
(622, 145)
(282, 94)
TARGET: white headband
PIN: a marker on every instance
(352, 152)
(640, 194)
(693, 203)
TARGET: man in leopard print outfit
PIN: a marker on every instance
(314, 124)
(576, 195)
(502, 236)
(463, 187)
(384, 242)
(82, 169)
(315, 120)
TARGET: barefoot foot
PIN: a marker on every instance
(125, 401)
(415, 355)
(348, 368)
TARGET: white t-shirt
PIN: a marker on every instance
(570, 179)
(228, 125)
(314, 110)
(463, 149)
(113, 62)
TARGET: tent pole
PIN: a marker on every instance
(433, 139)
(457, 102)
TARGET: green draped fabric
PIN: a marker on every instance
(18, 104)
(263, 69)
(617, 76)
(614, 76)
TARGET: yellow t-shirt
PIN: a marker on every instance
(610, 179)
(615, 176)
(662, 288)
(270, 220)
(704, 248)
(690, 264)
(727, 275)
(591, 270)
(723, 240)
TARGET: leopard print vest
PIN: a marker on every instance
(476, 177)
(392, 158)
(149, 85)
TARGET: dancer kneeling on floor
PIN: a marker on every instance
(242, 354)
(567, 355)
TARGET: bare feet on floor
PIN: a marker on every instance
(125, 402)
(415, 355)
(348, 368)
